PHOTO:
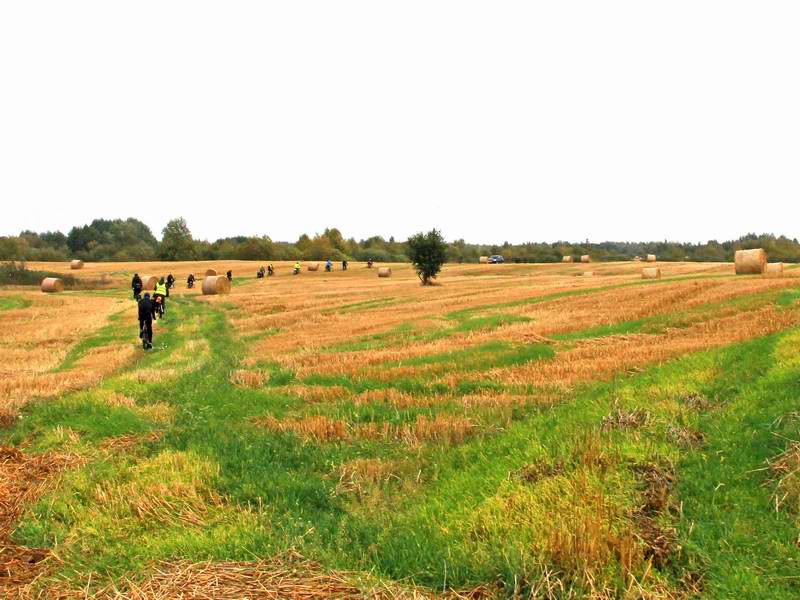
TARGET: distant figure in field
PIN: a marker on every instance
(170, 283)
(146, 311)
(229, 274)
(190, 281)
(344, 265)
(329, 266)
(296, 270)
(370, 263)
(270, 270)
(261, 271)
(136, 286)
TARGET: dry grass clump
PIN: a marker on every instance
(23, 479)
(392, 397)
(441, 429)
(620, 418)
(8, 417)
(152, 375)
(535, 472)
(317, 393)
(364, 474)
(316, 428)
(696, 401)
(249, 379)
(285, 577)
(685, 436)
(172, 487)
(786, 471)
(657, 482)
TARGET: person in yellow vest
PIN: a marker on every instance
(296, 268)
(160, 297)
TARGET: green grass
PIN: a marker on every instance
(455, 516)
(13, 303)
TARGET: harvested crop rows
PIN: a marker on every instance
(515, 430)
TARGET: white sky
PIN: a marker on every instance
(490, 120)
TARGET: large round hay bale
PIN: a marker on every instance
(313, 266)
(211, 272)
(76, 264)
(52, 284)
(566, 259)
(484, 260)
(651, 273)
(775, 269)
(216, 284)
(586, 258)
(651, 258)
(751, 262)
(149, 282)
(384, 272)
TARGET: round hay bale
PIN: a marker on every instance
(76, 264)
(586, 258)
(216, 284)
(149, 282)
(566, 259)
(484, 260)
(52, 284)
(313, 266)
(751, 262)
(384, 272)
(211, 272)
(651, 258)
(651, 273)
(775, 269)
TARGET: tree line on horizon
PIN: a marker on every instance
(119, 240)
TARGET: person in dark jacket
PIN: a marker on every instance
(136, 286)
(146, 310)
(190, 281)
(170, 283)
(229, 274)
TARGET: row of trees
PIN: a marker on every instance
(130, 239)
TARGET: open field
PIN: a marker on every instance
(514, 431)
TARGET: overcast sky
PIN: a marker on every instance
(493, 121)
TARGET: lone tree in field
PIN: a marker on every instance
(177, 243)
(428, 252)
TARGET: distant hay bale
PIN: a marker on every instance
(637, 259)
(216, 285)
(313, 266)
(775, 269)
(52, 284)
(651, 258)
(588, 273)
(484, 260)
(566, 259)
(384, 272)
(651, 273)
(211, 272)
(149, 282)
(586, 258)
(76, 264)
(751, 262)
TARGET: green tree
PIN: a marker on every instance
(177, 243)
(427, 252)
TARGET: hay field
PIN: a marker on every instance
(514, 431)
